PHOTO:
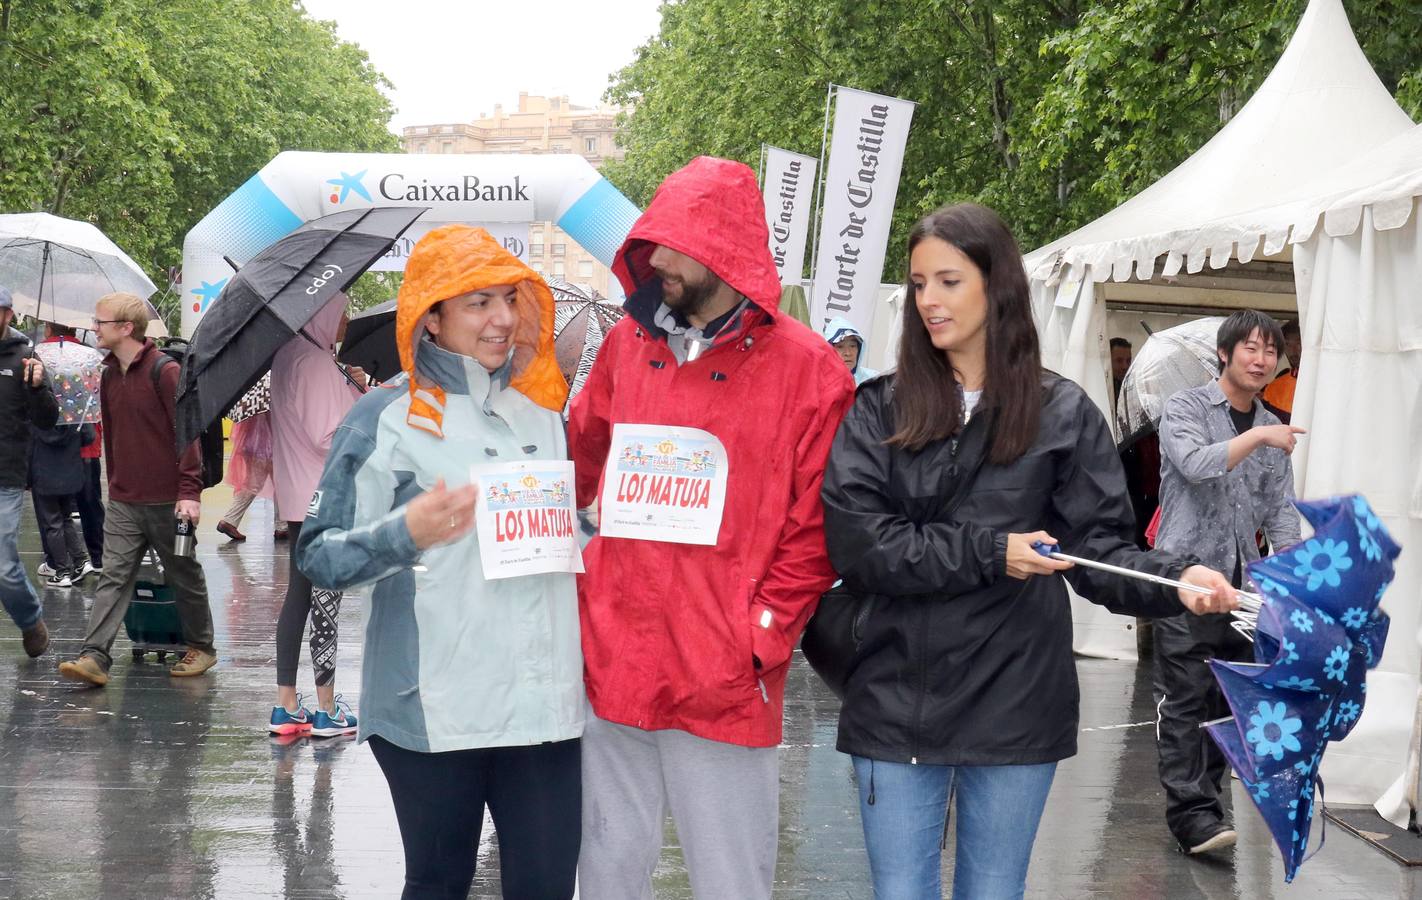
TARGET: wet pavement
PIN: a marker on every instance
(163, 787)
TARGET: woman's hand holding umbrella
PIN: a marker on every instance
(1222, 596)
(441, 515)
(1024, 559)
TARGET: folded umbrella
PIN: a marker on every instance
(74, 372)
(1170, 361)
(270, 300)
(370, 342)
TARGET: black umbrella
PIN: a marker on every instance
(370, 342)
(270, 300)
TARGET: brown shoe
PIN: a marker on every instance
(36, 639)
(86, 669)
(194, 662)
(227, 528)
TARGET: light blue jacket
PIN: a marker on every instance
(837, 330)
(452, 662)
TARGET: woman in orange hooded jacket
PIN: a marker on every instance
(472, 691)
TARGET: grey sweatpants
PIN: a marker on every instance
(724, 800)
(129, 530)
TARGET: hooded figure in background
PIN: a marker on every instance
(849, 344)
(688, 644)
(472, 689)
(310, 397)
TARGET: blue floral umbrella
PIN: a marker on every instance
(1319, 632)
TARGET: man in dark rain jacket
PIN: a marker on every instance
(25, 400)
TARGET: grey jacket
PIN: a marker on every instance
(1207, 511)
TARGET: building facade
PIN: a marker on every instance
(539, 125)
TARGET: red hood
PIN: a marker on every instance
(711, 210)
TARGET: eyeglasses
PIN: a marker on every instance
(98, 322)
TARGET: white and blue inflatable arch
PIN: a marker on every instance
(504, 193)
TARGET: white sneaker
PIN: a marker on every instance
(84, 570)
(59, 580)
(45, 570)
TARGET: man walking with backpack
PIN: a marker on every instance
(150, 487)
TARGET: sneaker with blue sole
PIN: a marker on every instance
(336, 723)
(285, 722)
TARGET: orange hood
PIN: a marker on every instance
(456, 259)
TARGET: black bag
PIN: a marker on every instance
(834, 633)
(175, 350)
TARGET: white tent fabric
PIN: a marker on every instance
(1361, 308)
(1320, 112)
(1322, 106)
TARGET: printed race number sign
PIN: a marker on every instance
(526, 518)
(663, 483)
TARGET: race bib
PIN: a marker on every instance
(526, 518)
(663, 483)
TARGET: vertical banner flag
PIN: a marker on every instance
(789, 191)
(861, 181)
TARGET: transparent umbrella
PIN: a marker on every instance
(56, 268)
(1169, 361)
(74, 372)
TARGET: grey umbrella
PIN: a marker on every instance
(1169, 361)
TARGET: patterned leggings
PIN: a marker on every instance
(302, 602)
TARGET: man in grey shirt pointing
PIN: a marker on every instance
(1225, 475)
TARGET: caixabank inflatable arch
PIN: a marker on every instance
(504, 193)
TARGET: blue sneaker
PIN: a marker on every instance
(284, 722)
(334, 724)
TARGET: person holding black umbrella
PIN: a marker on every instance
(310, 397)
(472, 689)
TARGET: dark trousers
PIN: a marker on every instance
(1191, 767)
(304, 601)
(534, 794)
(90, 502)
(62, 547)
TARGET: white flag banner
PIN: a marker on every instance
(789, 191)
(861, 181)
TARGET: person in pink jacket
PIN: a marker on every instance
(310, 397)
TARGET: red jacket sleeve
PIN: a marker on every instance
(589, 423)
(800, 570)
(190, 463)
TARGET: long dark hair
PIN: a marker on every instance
(927, 406)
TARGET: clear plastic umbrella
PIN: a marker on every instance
(56, 268)
(74, 372)
(1169, 361)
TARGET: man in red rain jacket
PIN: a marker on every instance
(703, 388)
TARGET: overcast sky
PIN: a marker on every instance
(452, 60)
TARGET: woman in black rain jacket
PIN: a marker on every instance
(941, 478)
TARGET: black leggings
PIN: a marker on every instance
(534, 794)
(302, 602)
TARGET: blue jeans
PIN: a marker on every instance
(16, 593)
(998, 807)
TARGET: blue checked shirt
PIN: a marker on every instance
(1211, 513)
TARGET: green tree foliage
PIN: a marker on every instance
(1051, 111)
(141, 116)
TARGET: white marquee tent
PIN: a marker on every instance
(1321, 142)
